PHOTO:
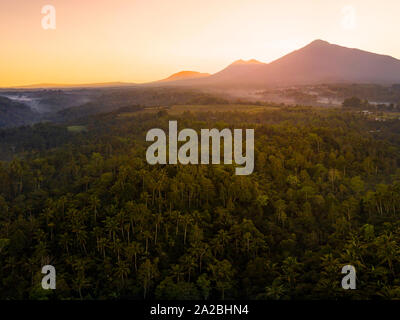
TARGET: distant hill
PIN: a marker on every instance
(82, 85)
(15, 114)
(240, 72)
(318, 62)
(185, 75)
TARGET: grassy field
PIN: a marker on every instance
(180, 109)
(77, 129)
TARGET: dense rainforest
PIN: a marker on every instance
(325, 193)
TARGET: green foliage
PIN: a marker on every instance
(354, 102)
(325, 193)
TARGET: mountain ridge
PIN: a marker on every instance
(316, 63)
(183, 75)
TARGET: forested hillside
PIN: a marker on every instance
(15, 114)
(324, 194)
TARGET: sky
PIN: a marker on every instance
(146, 40)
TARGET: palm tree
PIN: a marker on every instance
(186, 221)
(65, 241)
(222, 274)
(189, 264)
(177, 272)
(387, 250)
(132, 251)
(112, 227)
(102, 244)
(157, 220)
(146, 274)
(122, 270)
(94, 203)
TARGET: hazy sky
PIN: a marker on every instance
(144, 40)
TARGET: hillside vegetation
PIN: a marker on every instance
(325, 193)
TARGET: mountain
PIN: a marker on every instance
(321, 61)
(185, 75)
(240, 72)
(318, 62)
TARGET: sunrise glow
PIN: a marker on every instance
(140, 41)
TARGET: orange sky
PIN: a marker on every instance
(145, 40)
